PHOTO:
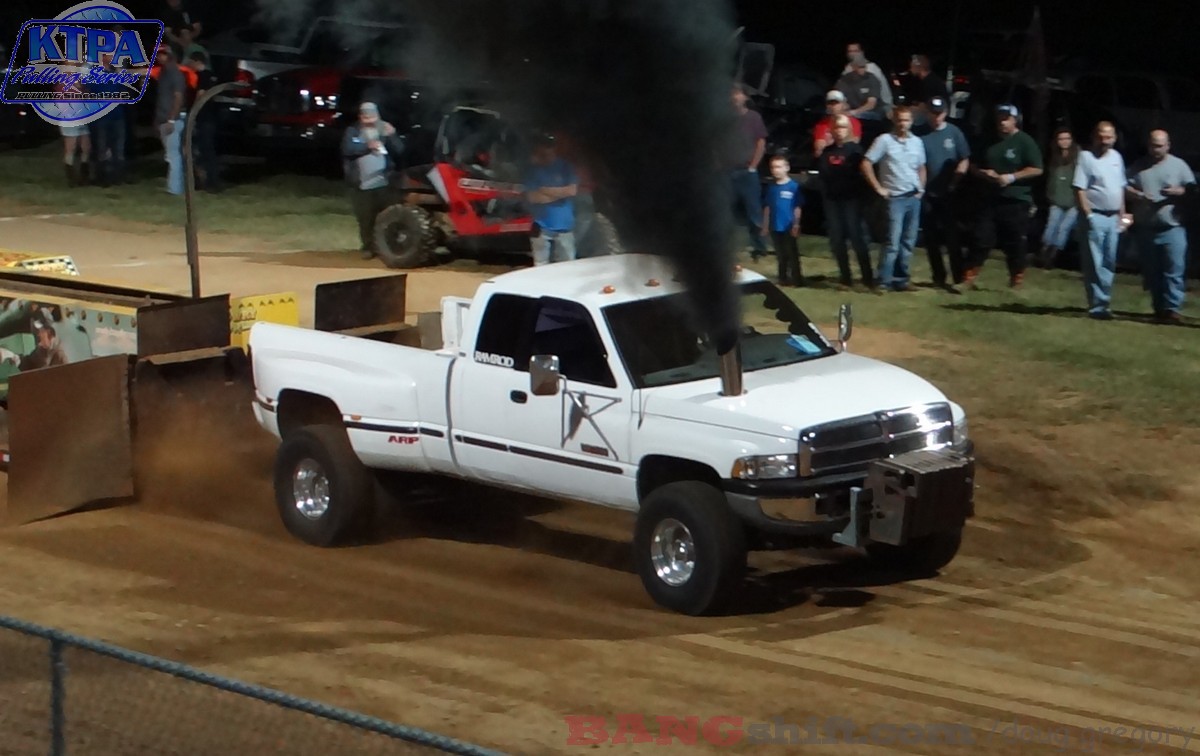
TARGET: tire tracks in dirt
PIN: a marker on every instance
(976, 708)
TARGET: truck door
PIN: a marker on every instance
(575, 443)
(580, 440)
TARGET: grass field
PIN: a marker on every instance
(1028, 354)
(294, 212)
(1031, 346)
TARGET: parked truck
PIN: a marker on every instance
(590, 381)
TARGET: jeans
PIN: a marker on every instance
(1059, 225)
(941, 229)
(553, 246)
(204, 142)
(747, 197)
(367, 204)
(109, 136)
(1163, 257)
(1099, 262)
(904, 220)
(787, 253)
(846, 222)
(173, 154)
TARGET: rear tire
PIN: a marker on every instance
(689, 549)
(404, 236)
(921, 556)
(324, 493)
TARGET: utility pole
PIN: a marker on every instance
(193, 246)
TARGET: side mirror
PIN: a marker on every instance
(845, 325)
(544, 375)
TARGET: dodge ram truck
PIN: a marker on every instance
(590, 381)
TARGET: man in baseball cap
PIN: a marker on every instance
(835, 105)
(369, 151)
(947, 157)
(1009, 168)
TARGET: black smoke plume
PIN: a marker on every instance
(639, 88)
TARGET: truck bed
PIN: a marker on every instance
(392, 397)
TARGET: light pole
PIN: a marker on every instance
(193, 251)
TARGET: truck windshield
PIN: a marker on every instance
(661, 344)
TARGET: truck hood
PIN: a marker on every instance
(784, 400)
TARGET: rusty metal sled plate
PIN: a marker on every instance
(361, 302)
(69, 437)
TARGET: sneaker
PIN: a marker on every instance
(969, 278)
(367, 253)
(1015, 282)
(1169, 317)
(1100, 315)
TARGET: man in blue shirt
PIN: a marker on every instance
(901, 159)
(947, 157)
(781, 217)
(550, 188)
(1100, 191)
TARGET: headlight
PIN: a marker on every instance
(326, 102)
(765, 467)
(960, 431)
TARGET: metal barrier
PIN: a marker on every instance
(62, 694)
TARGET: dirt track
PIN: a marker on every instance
(1069, 614)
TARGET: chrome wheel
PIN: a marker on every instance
(673, 552)
(310, 489)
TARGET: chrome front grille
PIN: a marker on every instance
(847, 446)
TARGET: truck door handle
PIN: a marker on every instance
(520, 397)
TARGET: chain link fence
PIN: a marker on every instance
(61, 694)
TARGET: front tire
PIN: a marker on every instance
(921, 556)
(689, 549)
(324, 493)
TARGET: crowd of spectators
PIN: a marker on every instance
(917, 165)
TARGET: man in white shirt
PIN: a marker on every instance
(1100, 192)
(900, 157)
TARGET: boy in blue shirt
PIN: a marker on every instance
(781, 219)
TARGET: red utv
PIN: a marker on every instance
(470, 198)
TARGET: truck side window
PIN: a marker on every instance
(503, 331)
(566, 329)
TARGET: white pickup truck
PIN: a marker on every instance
(588, 381)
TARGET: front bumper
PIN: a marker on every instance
(893, 501)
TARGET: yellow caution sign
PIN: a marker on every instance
(38, 263)
(244, 312)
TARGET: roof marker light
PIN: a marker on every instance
(608, 289)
